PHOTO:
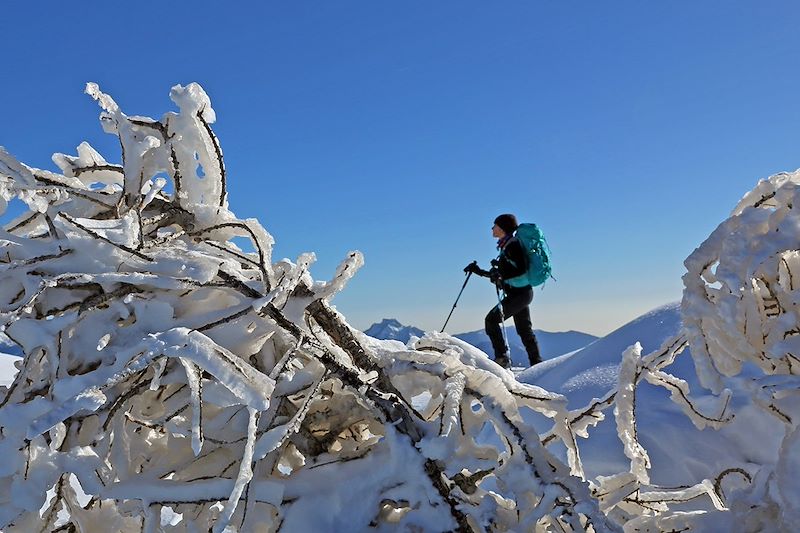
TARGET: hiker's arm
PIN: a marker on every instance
(475, 269)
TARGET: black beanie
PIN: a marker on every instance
(507, 222)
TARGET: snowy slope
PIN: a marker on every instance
(592, 371)
(551, 344)
(663, 429)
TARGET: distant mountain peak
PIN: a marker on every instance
(392, 329)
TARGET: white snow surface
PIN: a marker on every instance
(592, 371)
(664, 430)
(8, 368)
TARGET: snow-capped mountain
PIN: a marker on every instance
(390, 329)
(551, 344)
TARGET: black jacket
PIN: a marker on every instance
(512, 262)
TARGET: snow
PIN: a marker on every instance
(592, 371)
(8, 368)
(551, 344)
(172, 381)
(663, 428)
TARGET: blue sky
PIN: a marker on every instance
(626, 130)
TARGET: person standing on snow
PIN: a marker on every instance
(511, 262)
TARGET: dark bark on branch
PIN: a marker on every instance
(595, 407)
(220, 160)
(24, 222)
(764, 198)
(155, 124)
(670, 386)
(176, 173)
(41, 258)
(395, 411)
(253, 238)
(239, 285)
(77, 171)
(287, 325)
(86, 195)
(229, 318)
(98, 236)
(100, 299)
(723, 474)
(233, 253)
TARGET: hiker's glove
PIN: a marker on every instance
(472, 268)
(494, 275)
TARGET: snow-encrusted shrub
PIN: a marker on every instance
(173, 381)
(741, 311)
(741, 322)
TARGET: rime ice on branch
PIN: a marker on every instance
(167, 369)
(741, 307)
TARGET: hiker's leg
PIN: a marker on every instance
(517, 305)
(493, 325)
(522, 321)
(514, 301)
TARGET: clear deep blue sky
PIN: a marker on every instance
(627, 130)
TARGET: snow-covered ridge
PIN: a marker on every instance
(551, 344)
(592, 371)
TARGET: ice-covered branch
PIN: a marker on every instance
(166, 369)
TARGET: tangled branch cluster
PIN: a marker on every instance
(741, 313)
(172, 381)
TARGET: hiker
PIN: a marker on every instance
(512, 262)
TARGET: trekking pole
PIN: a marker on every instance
(503, 323)
(457, 298)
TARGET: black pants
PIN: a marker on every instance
(515, 304)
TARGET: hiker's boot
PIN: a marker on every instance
(503, 360)
(532, 347)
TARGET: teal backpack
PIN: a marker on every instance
(539, 269)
